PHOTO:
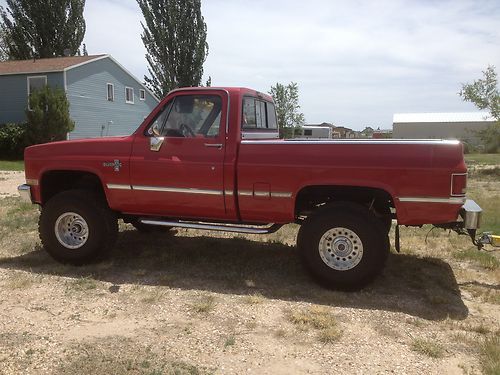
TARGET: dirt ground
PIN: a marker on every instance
(191, 302)
(9, 181)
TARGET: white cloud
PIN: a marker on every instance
(356, 62)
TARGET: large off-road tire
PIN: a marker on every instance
(344, 246)
(77, 227)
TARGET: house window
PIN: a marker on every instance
(129, 95)
(35, 83)
(110, 92)
(142, 94)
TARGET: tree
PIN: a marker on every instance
(4, 49)
(286, 100)
(48, 119)
(484, 94)
(174, 34)
(42, 28)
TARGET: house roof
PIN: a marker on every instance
(442, 117)
(54, 64)
(58, 64)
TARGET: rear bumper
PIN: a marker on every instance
(25, 193)
(471, 214)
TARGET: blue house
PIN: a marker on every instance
(105, 99)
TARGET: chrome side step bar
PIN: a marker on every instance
(214, 226)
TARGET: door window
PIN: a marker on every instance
(191, 116)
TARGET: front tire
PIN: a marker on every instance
(343, 246)
(77, 227)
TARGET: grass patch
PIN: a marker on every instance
(230, 341)
(254, 299)
(485, 260)
(484, 159)
(95, 358)
(20, 280)
(427, 347)
(318, 318)
(204, 305)
(152, 297)
(82, 284)
(329, 335)
(490, 355)
(11, 165)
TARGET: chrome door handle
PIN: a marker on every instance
(218, 146)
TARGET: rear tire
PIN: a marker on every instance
(77, 227)
(343, 246)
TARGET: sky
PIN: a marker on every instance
(356, 62)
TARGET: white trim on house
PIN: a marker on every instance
(28, 86)
(129, 101)
(142, 94)
(85, 62)
(112, 92)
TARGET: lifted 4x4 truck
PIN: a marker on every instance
(210, 158)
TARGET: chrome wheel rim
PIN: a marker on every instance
(340, 249)
(72, 231)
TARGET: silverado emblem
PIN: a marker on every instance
(116, 164)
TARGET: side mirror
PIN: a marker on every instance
(155, 143)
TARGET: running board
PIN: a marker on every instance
(212, 226)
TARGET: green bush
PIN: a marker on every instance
(48, 118)
(12, 141)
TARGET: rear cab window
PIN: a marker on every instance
(258, 116)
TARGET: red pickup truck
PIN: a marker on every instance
(211, 158)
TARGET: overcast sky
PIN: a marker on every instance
(356, 62)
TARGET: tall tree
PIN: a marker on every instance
(174, 34)
(484, 94)
(42, 28)
(4, 49)
(286, 100)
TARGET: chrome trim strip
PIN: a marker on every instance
(218, 227)
(245, 193)
(177, 190)
(356, 141)
(228, 192)
(281, 194)
(118, 187)
(261, 194)
(259, 135)
(451, 200)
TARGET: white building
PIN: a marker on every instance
(462, 126)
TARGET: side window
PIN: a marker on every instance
(160, 119)
(194, 116)
(110, 88)
(258, 114)
(249, 117)
(271, 116)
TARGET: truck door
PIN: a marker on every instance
(177, 163)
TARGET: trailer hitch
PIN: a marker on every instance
(487, 238)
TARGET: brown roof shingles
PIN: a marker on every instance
(55, 64)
